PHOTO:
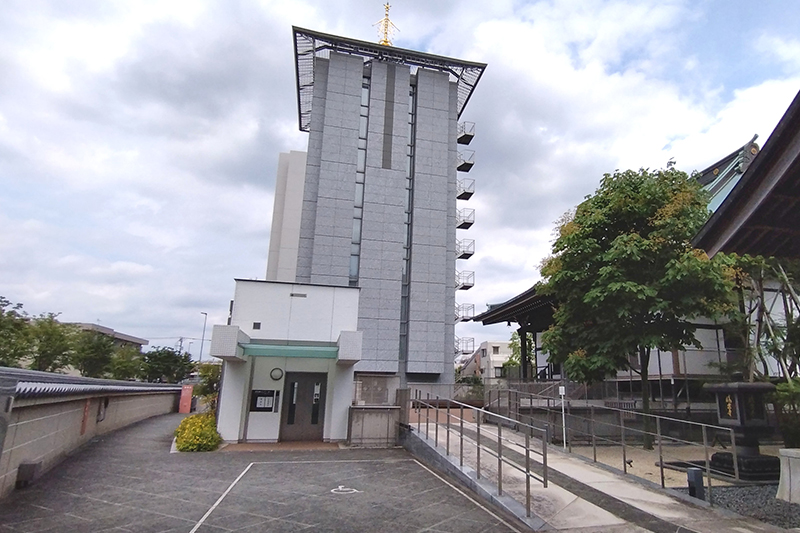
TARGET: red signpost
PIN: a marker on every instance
(185, 405)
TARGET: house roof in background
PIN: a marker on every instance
(116, 335)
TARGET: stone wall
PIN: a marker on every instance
(48, 429)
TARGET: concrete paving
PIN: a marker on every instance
(129, 481)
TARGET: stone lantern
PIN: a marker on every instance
(742, 407)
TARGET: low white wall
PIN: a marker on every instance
(789, 487)
(48, 429)
(374, 427)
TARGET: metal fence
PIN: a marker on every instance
(674, 392)
(585, 424)
(485, 432)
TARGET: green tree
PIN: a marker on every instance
(627, 279)
(165, 365)
(209, 374)
(208, 388)
(14, 338)
(126, 363)
(93, 351)
(766, 322)
(515, 359)
(764, 329)
(53, 343)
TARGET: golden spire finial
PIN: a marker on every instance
(386, 29)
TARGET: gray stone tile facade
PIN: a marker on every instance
(327, 234)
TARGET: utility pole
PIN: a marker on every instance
(203, 337)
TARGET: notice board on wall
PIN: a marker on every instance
(265, 401)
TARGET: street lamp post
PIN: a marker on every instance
(203, 338)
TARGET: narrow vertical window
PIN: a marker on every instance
(292, 403)
(405, 293)
(361, 169)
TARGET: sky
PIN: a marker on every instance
(139, 140)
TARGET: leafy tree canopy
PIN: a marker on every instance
(93, 352)
(14, 338)
(126, 363)
(626, 276)
(165, 365)
(52, 343)
(43, 343)
(209, 379)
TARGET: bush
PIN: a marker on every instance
(198, 433)
(786, 400)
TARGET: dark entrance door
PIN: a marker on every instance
(303, 409)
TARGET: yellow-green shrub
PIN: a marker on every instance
(197, 433)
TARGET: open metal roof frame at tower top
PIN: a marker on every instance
(308, 45)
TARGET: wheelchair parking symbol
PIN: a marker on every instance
(341, 489)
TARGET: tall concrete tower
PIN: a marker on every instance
(379, 196)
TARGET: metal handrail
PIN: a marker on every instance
(465, 185)
(585, 403)
(417, 403)
(624, 429)
(659, 436)
(466, 127)
(489, 450)
(466, 156)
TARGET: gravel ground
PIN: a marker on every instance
(757, 501)
(760, 503)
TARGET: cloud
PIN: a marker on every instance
(139, 141)
(782, 50)
(753, 110)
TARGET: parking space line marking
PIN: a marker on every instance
(467, 496)
(219, 500)
(235, 481)
(386, 461)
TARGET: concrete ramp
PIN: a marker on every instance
(580, 496)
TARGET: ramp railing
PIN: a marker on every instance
(465, 426)
(583, 427)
